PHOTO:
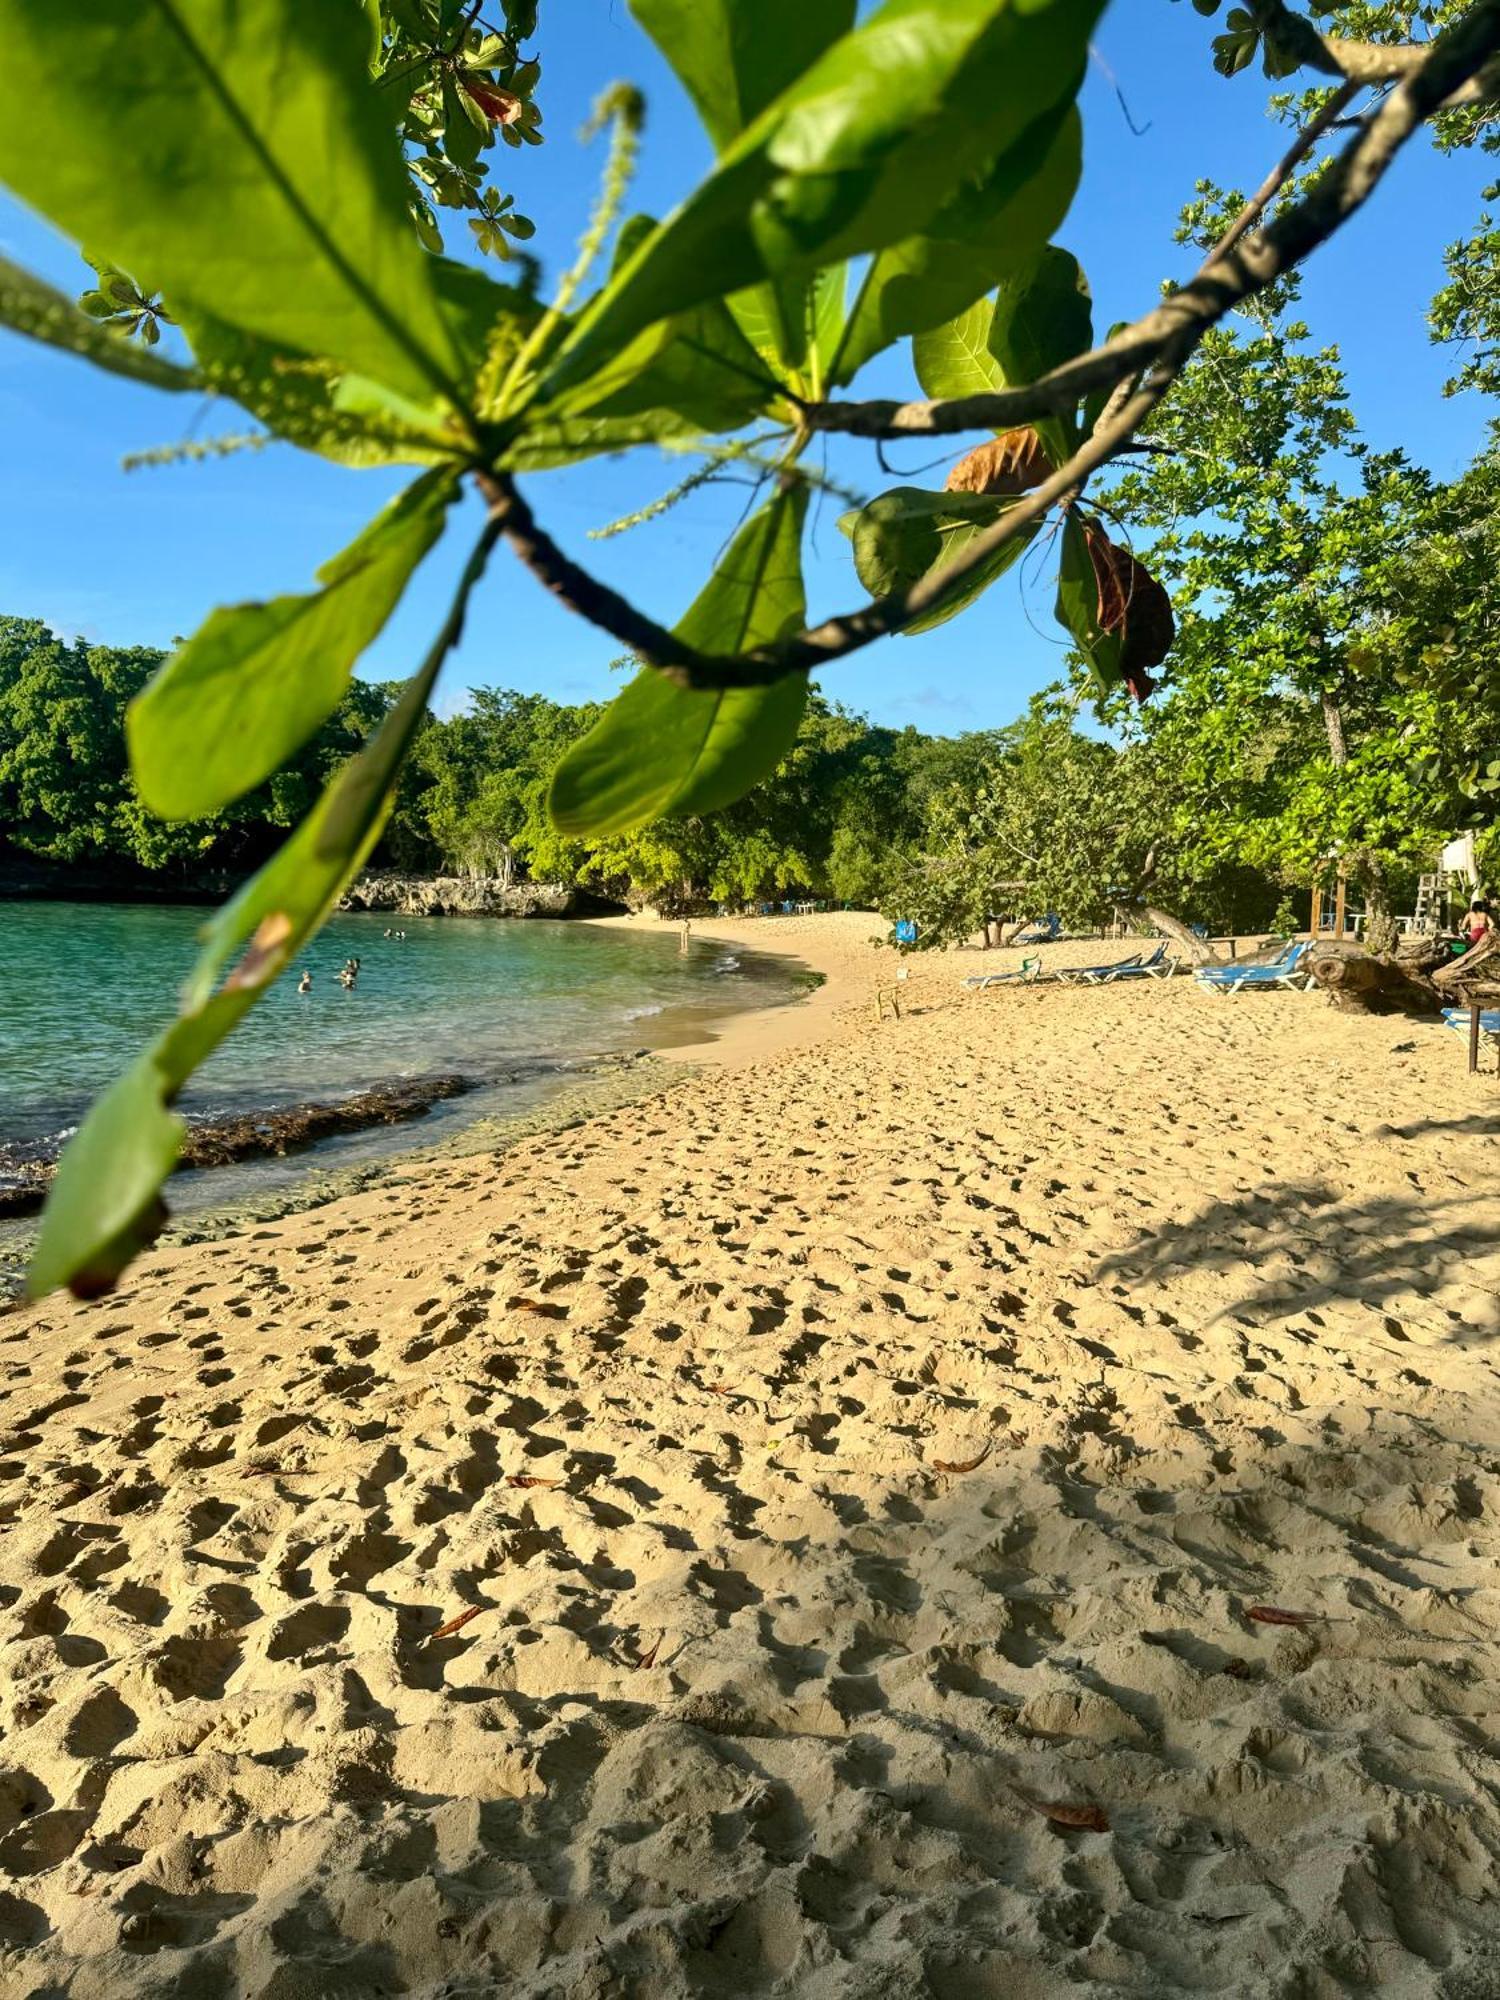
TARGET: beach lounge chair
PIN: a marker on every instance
(1154, 967)
(1157, 966)
(1095, 975)
(1489, 1021)
(1030, 970)
(1284, 970)
(1043, 931)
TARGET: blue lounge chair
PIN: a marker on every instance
(1043, 931)
(1284, 970)
(1031, 969)
(1157, 966)
(1489, 1021)
(1095, 975)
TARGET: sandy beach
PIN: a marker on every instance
(1000, 1503)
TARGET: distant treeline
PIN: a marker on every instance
(848, 803)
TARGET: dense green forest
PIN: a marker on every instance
(843, 806)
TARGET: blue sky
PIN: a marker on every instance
(143, 557)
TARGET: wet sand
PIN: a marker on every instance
(1000, 1503)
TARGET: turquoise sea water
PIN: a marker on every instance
(518, 1006)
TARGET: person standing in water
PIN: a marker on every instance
(304, 984)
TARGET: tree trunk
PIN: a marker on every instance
(1418, 979)
(1188, 941)
(1333, 723)
(1456, 974)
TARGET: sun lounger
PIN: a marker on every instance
(1157, 966)
(1095, 975)
(1284, 970)
(1458, 1017)
(1042, 931)
(1030, 970)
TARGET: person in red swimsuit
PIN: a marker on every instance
(1478, 924)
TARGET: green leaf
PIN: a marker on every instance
(1078, 608)
(660, 748)
(1037, 320)
(686, 377)
(346, 417)
(904, 534)
(990, 228)
(859, 153)
(734, 57)
(255, 681)
(236, 151)
(105, 1202)
(461, 135)
(30, 306)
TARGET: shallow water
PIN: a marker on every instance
(517, 1006)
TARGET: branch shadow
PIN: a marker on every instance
(1368, 1251)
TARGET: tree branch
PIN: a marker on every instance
(1229, 275)
(1362, 63)
(1156, 349)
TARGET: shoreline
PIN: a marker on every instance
(836, 947)
(589, 1085)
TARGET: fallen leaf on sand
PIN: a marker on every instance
(446, 1631)
(963, 1464)
(530, 1479)
(1087, 1819)
(543, 1308)
(649, 1659)
(1272, 1614)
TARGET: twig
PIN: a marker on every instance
(1274, 181)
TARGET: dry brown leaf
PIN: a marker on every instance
(1014, 462)
(1134, 604)
(649, 1659)
(543, 1308)
(501, 106)
(530, 1479)
(964, 1464)
(452, 1625)
(1272, 1614)
(1088, 1819)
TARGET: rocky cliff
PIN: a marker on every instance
(460, 896)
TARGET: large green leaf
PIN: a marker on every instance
(902, 535)
(859, 153)
(255, 681)
(991, 228)
(735, 56)
(660, 748)
(1078, 607)
(1038, 319)
(30, 306)
(1043, 317)
(106, 1201)
(234, 152)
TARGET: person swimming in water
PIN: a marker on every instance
(304, 984)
